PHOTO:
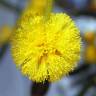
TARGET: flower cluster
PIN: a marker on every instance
(46, 49)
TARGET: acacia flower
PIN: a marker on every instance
(46, 49)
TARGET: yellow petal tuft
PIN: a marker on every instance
(46, 50)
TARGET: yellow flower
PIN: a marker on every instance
(4, 35)
(46, 50)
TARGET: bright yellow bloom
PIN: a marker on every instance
(46, 50)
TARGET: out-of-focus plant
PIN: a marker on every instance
(40, 7)
(89, 37)
(92, 6)
(90, 54)
(90, 48)
(5, 33)
(86, 73)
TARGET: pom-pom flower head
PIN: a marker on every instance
(46, 49)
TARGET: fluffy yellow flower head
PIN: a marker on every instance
(46, 49)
